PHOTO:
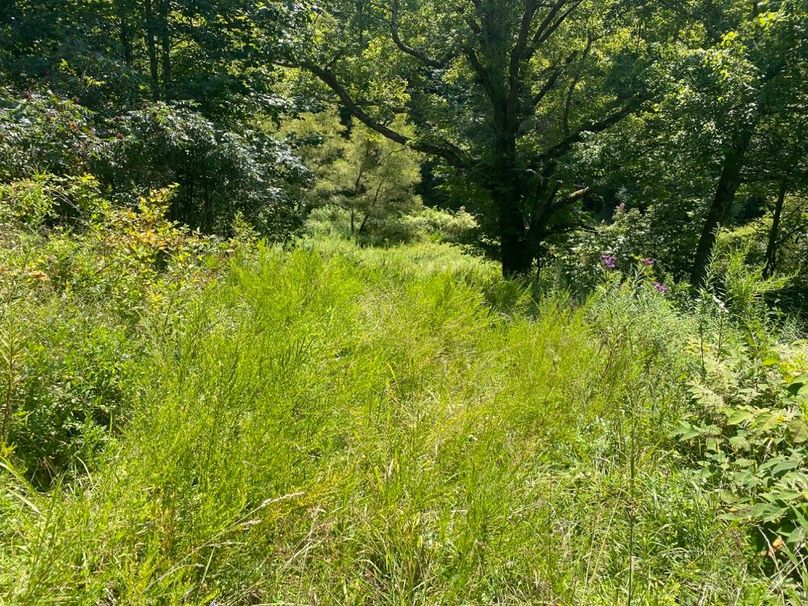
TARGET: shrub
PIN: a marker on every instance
(630, 236)
(220, 173)
(42, 133)
(444, 226)
(77, 302)
(46, 200)
(425, 224)
(747, 430)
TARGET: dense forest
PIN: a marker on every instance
(403, 302)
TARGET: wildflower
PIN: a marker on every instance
(648, 262)
(660, 287)
(609, 261)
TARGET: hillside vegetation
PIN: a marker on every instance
(344, 426)
(403, 302)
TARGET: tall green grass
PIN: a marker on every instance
(349, 427)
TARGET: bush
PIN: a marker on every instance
(630, 236)
(220, 174)
(790, 265)
(49, 201)
(747, 430)
(425, 224)
(41, 133)
(77, 303)
(444, 226)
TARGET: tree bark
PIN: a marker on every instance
(774, 232)
(517, 258)
(728, 184)
(151, 48)
(165, 44)
(515, 250)
(125, 32)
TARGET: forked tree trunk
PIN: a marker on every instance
(774, 232)
(728, 184)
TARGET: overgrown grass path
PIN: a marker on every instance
(334, 429)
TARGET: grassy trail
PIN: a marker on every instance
(362, 429)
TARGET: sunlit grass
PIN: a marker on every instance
(389, 427)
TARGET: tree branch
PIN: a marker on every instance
(563, 146)
(407, 49)
(550, 24)
(483, 76)
(555, 74)
(451, 153)
(518, 55)
(570, 198)
(568, 101)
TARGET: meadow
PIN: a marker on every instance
(336, 425)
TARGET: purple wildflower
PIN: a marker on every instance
(660, 287)
(609, 261)
(648, 262)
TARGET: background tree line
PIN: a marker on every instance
(558, 124)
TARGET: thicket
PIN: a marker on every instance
(348, 425)
(220, 174)
(83, 285)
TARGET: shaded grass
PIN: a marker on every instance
(389, 427)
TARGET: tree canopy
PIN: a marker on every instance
(541, 117)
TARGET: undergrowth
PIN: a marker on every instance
(336, 425)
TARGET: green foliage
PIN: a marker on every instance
(790, 246)
(748, 431)
(630, 237)
(371, 177)
(498, 92)
(366, 414)
(112, 56)
(742, 287)
(48, 201)
(362, 426)
(457, 228)
(427, 224)
(42, 133)
(75, 301)
(220, 173)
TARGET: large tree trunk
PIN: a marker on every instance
(728, 184)
(151, 48)
(774, 232)
(515, 249)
